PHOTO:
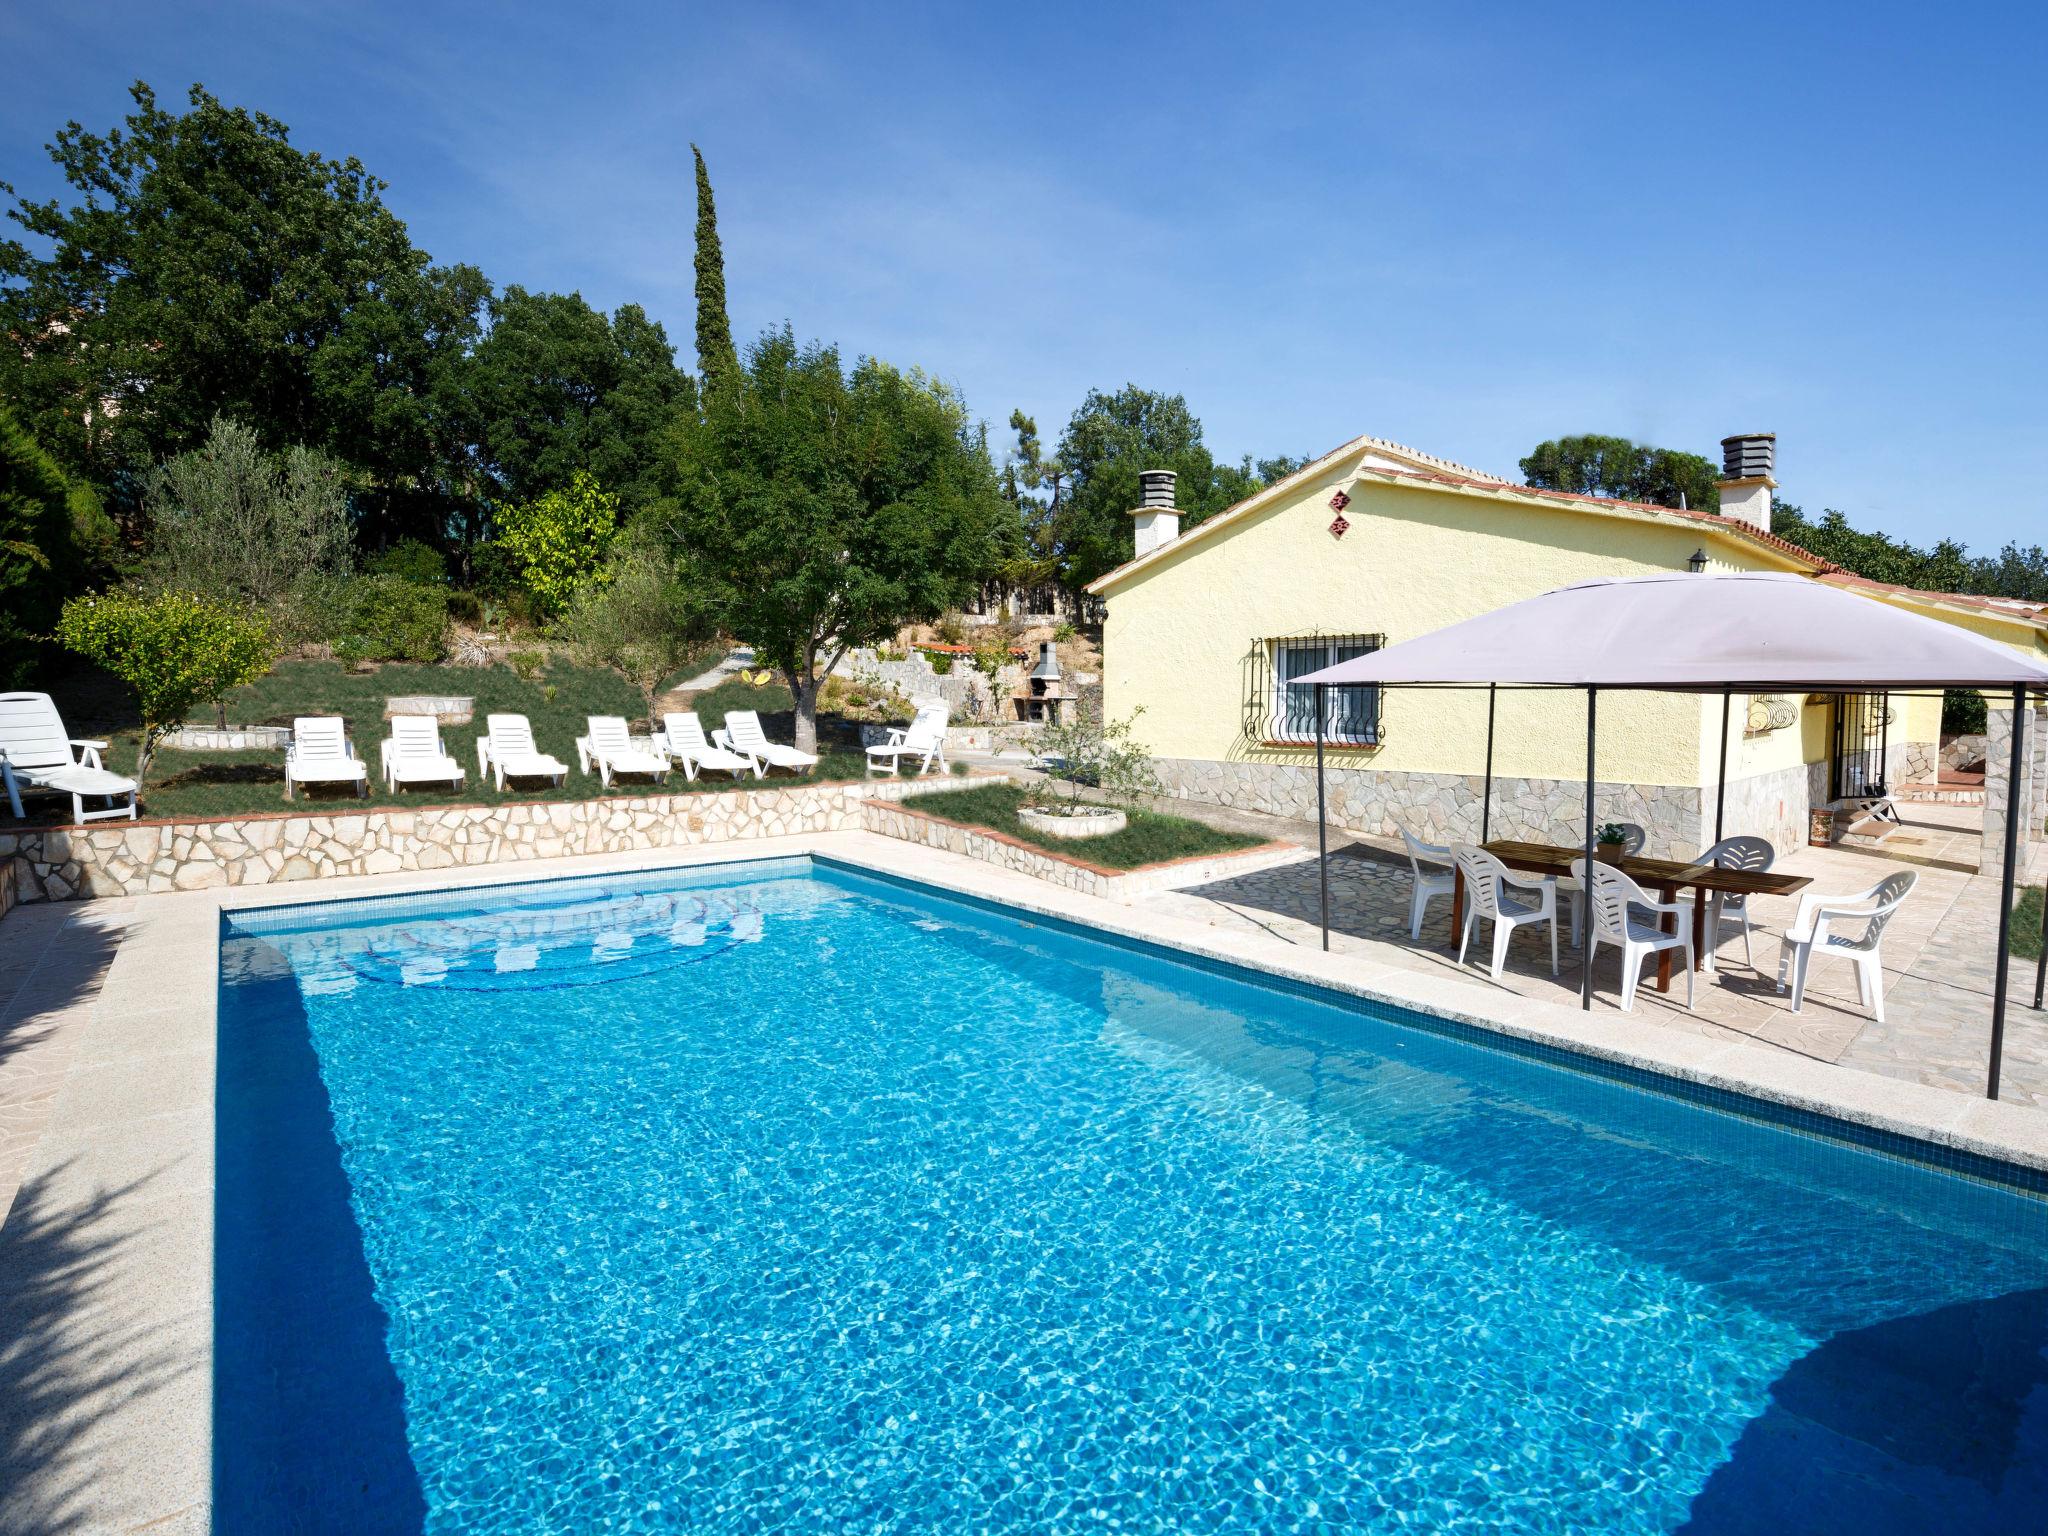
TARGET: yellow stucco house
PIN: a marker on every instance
(1375, 543)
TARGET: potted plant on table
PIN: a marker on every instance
(1609, 839)
(1088, 753)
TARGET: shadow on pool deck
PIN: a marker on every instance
(1946, 1409)
(309, 1415)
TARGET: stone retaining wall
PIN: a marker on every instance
(131, 858)
(920, 819)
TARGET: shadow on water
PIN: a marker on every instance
(66, 1350)
(309, 1415)
(1934, 1422)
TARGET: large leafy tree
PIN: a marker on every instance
(209, 266)
(1107, 442)
(816, 510)
(52, 532)
(555, 388)
(1595, 465)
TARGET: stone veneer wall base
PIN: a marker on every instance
(135, 858)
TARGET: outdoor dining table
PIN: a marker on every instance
(1666, 877)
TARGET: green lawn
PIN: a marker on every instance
(1149, 839)
(227, 783)
(2026, 924)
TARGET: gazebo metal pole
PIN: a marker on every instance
(1721, 784)
(1586, 885)
(1486, 799)
(1322, 823)
(2014, 810)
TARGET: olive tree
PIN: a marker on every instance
(640, 620)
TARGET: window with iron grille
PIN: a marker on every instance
(1279, 709)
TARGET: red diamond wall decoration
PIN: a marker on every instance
(1338, 528)
(1339, 502)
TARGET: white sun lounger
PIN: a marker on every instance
(412, 753)
(924, 738)
(507, 750)
(682, 737)
(36, 750)
(743, 734)
(321, 753)
(609, 748)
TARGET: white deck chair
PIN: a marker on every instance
(1431, 866)
(683, 739)
(1875, 815)
(412, 753)
(924, 738)
(742, 733)
(1808, 936)
(1754, 854)
(321, 753)
(507, 751)
(1487, 886)
(609, 749)
(36, 750)
(1626, 915)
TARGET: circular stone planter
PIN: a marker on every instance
(1089, 821)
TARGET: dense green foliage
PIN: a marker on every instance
(410, 560)
(1593, 465)
(1150, 838)
(557, 542)
(1075, 508)
(817, 510)
(388, 618)
(2026, 923)
(209, 268)
(175, 650)
(641, 621)
(229, 520)
(52, 533)
(555, 388)
(717, 361)
(1947, 567)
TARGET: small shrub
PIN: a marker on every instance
(1101, 753)
(950, 630)
(526, 665)
(465, 607)
(990, 658)
(941, 662)
(558, 542)
(1063, 633)
(410, 560)
(387, 618)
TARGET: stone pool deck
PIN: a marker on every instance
(107, 1014)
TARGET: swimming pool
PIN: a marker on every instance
(783, 1197)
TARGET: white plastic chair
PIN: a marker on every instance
(682, 738)
(924, 738)
(321, 753)
(507, 750)
(609, 747)
(1809, 936)
(412, 754)
(742, 733)
(1625, 915)
(1487, 886)
(1753, 854)
(1433, 877)
(36, 750)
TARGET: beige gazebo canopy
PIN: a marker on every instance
(1674, 632)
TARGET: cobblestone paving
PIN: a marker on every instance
(1937, 955)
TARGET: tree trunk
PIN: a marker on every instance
(804, 688)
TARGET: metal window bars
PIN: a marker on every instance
(1278, 710)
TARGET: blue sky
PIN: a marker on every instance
(1464, 227)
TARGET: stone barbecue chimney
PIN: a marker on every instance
(1158, 520)
(1747, 462)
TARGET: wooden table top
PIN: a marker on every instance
(1665, 874)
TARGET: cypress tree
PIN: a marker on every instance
(715, 356)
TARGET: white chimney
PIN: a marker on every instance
(1158, 519)
(1747, 460)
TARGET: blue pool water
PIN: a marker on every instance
(777, 1197)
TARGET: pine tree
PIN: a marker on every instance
(716, 359)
